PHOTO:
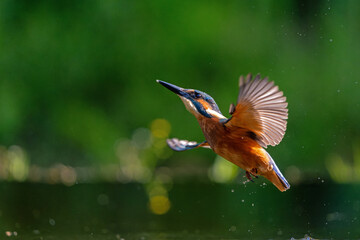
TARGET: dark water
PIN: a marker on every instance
(198, 211)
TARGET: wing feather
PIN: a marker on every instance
(261, 108)
(182, 145)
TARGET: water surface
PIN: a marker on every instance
(198, 211)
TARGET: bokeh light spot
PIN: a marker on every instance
(160, 128)
(223, 171)
(68, 176)
(19, 166)
(159, 205)
(141, 137)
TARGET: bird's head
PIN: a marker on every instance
(196, 102)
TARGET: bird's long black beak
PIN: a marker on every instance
(178, 90)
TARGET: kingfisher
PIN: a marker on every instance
(258, 119)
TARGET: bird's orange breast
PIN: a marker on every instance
(238, 148)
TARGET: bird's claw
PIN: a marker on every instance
(253, 172)
(249, 176)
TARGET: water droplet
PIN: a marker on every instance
(232, 229)
(252, 204)
(338, 90)
(243, 200)
(330, 40)
(51, 222)
(232, 190)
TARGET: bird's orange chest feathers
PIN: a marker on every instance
(237, 147)
(212, 129)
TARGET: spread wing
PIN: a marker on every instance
(182, 145)
(261, 109)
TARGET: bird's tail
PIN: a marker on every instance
(276, 177)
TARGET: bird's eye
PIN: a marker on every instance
(197, 95)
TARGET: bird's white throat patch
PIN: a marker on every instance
(215, 114)
(191, 108)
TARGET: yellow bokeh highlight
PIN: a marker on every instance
(160, 128)
(339, 170)
(342, 170)
(157, 190)
(18, 164)
(68, 176)
(159, 205)
(223, 171)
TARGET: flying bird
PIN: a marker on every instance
(258, 119)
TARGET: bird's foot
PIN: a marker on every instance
(253, 172)
(248, 175)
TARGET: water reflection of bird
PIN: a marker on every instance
(258, 119)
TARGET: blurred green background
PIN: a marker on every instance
(79, 102)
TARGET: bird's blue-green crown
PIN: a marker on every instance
(196, 94)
